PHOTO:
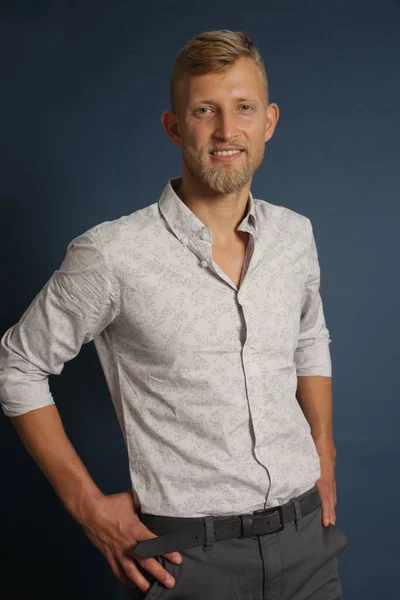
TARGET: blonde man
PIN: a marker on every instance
(207, 318)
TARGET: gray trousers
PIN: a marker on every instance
(298, 563)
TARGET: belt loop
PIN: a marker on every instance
(209, 529)
(297, 512)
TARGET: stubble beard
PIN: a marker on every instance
(221, 178)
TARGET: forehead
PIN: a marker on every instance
(243, 79)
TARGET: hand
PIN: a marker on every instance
(327, 489)
(113, 525)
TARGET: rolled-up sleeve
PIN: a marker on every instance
(76, 304)
(312, 356)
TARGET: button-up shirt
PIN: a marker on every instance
(202, 373)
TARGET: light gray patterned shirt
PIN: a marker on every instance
(202, 374)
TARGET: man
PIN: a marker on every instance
(207, 319)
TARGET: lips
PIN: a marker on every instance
(226, 150)
(223, 158)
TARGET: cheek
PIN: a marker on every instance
(258, 132)
(258, 141)
(252, 135)
(197, 138)
(194, 129)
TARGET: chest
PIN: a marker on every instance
(231, 259)
(172, 305)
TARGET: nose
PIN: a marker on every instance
(225, 126)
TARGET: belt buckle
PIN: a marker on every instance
(271, 511)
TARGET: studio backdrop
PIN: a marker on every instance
(83, 86)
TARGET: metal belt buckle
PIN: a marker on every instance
(272, 511)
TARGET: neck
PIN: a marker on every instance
(220, 213)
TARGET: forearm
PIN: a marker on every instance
(314, 394)
(43, 435)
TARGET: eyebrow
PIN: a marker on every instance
(235, 99)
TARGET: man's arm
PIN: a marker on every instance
(111, 522)
(43, 435)
(314, 381)
(77, 303)
(314, 394)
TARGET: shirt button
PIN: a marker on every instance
(205, 236)
(204, 263)
(184, 241)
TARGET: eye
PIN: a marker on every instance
(202, 108)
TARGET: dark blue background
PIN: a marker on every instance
(83, 85)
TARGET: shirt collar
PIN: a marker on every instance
(185, 224)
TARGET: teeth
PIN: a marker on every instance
(226, 153)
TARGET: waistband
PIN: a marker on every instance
(177, 533)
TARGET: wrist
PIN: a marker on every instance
(84, 504)
(326, 448)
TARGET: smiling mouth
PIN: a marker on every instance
(226, 152)
(227, 157)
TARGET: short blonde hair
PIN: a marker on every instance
(212, 52)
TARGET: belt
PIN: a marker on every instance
(192, 531)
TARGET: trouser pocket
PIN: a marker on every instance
(339, 537)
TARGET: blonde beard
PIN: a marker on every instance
(217, 180)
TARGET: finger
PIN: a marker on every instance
(118, 570)
(157, 570)
(174, 557)
(326, 513)
(135, 576)
(142, 533)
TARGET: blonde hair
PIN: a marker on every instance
(212, 52)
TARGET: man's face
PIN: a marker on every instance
(221, 110)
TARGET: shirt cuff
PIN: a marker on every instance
(314, 360)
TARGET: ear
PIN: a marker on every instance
(272, 120)
(170, 123)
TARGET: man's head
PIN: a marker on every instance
(219, 100)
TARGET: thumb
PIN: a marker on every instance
(140, 532)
